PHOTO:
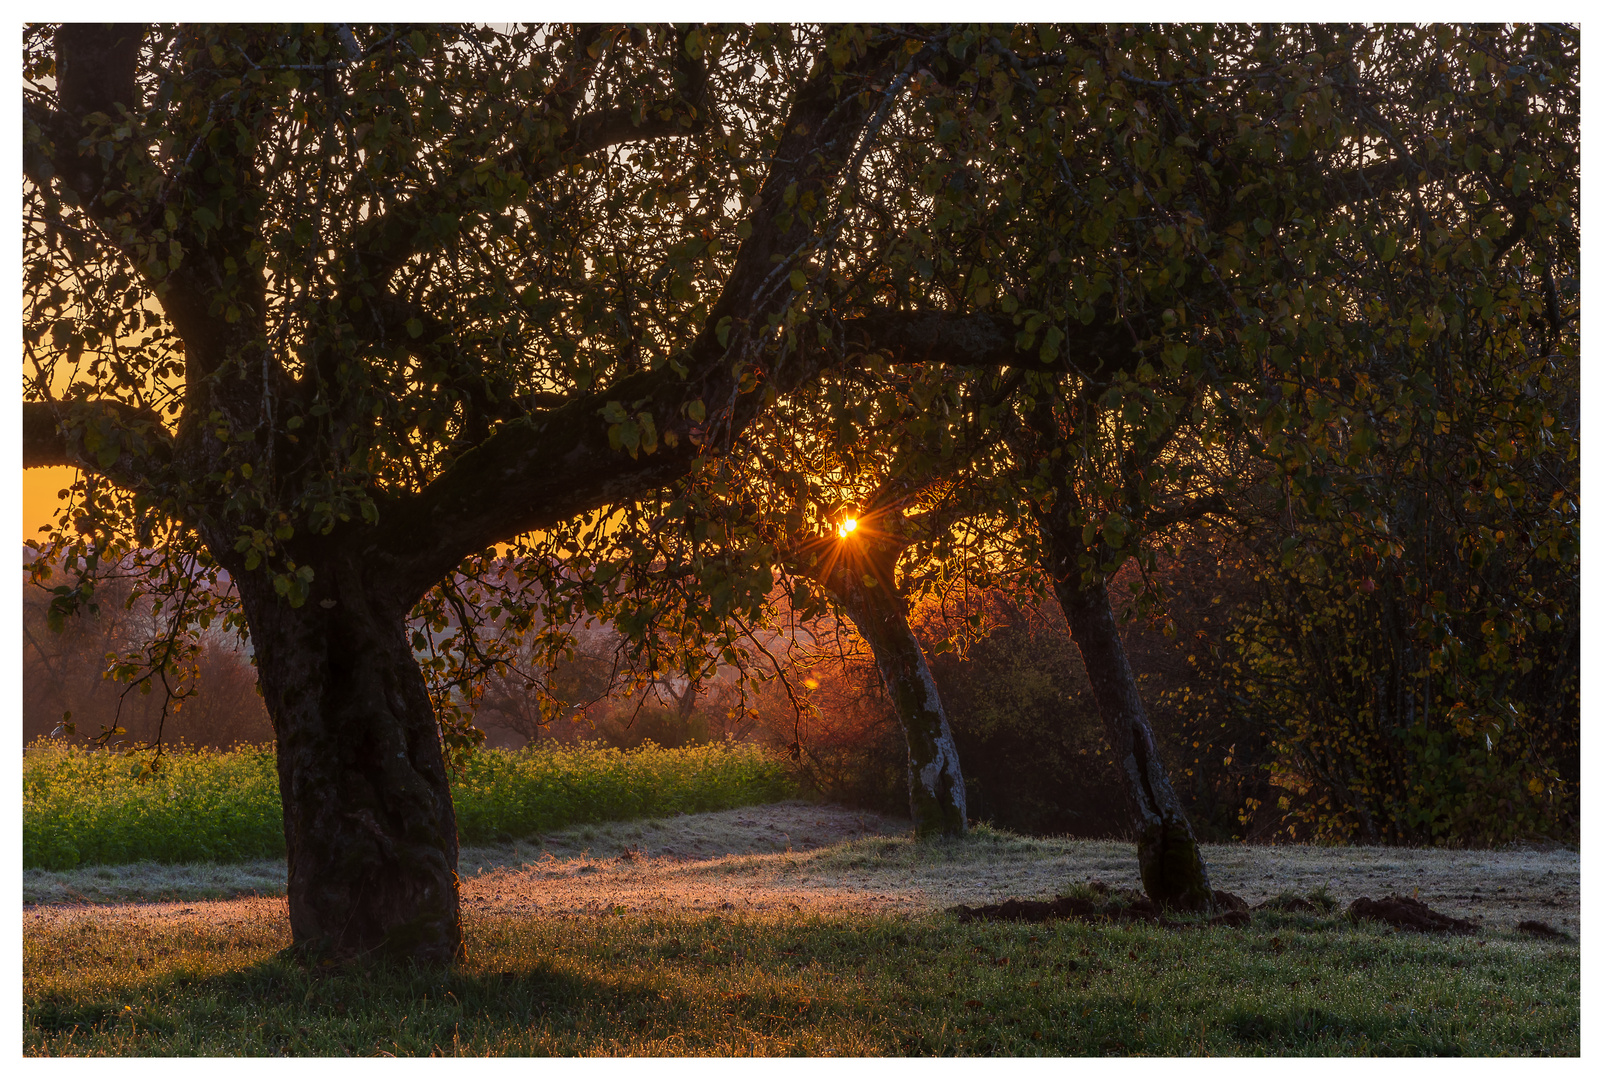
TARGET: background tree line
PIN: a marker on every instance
(1238, 723)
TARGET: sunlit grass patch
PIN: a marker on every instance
(807, 984)
(99, 808)
(86, 807)
(502, 794)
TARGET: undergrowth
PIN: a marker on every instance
(83, 807)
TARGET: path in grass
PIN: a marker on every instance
(793, 856)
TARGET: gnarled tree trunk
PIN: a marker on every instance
(368, 821)
(1172, 869)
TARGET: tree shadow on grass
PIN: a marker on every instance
(278, 1007)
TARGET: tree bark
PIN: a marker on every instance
(1172, 869)
(368, 822)
(862, 576)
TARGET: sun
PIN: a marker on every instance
(846, 527)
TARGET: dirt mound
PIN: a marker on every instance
(1408, 914)
(1537, 928)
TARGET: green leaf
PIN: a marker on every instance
(1050, 344)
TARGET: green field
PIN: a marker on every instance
(804, 984)
(94, 807)
(583, 945)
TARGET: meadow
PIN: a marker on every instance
(588, 947)
(786, 929)
(83, 807)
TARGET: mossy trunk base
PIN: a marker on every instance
(1172, 871)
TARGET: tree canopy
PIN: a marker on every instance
(330, 315)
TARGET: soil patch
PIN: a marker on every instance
(1537, 928)
(1290, 904)
(1408, 914)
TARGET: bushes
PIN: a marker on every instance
(64, 674)
(1375, 739)
(1028, 733)
(84, 806)
(851, 750)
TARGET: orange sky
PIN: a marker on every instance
(39, 487)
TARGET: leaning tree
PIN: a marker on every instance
(870, 490)
(1190, 240)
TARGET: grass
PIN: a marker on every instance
(771, 828)
(802, 984)
(581, 944)
(99, 808)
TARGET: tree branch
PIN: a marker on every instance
(96, 68)
(983, 340)
(1208, 504)
(544, 468)
(121, 442)
(388, 239)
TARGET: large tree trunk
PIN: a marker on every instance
(368, 822)
(1172, 869)
(936, 797)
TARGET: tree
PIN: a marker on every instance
(1180, 232)
(339, 309)
(1415, 651)
(859, 484)
(344, 307)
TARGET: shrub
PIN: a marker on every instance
(1028, 734)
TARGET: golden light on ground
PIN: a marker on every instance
(846, 528)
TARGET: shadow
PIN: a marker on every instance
(279, 1006)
